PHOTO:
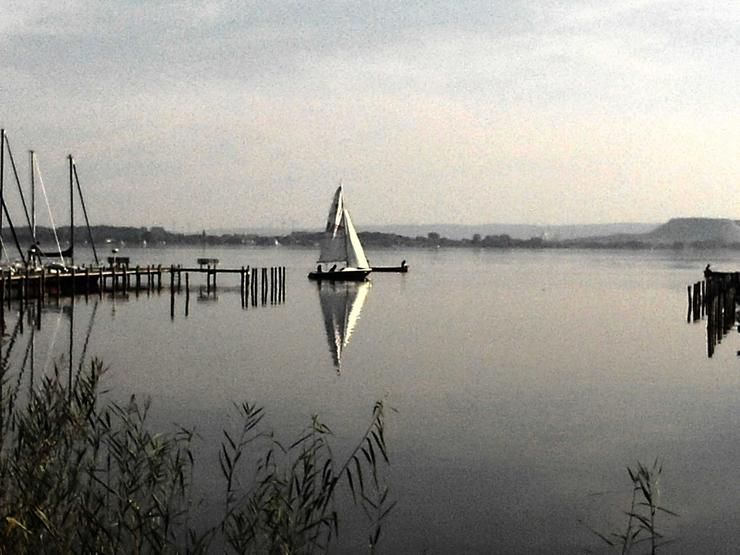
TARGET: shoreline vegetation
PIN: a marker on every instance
(80, 473)
(679, 233)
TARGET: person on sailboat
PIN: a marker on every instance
(319, 269)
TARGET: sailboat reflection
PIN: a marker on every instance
(341, 304)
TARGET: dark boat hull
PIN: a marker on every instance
(396, 269)
(346, 275)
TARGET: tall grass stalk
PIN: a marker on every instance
(641, 525)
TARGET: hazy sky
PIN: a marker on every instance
(222, 114)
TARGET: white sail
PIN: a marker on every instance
(341, 305)
(333, 246)
(355, 253)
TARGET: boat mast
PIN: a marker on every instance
(2, 175)
(71, 212)
(84, 211)
(33, 196)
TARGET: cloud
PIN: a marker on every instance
(465, 109)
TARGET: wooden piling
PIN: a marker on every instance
(241, 286)
(26, 280)
(172, 292)
(697, 298)
(3, 284)
(187, 292)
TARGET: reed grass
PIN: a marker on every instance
(79, 475)
(641, 530)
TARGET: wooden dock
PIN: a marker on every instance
(256, 285)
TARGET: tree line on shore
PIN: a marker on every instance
(157, 236)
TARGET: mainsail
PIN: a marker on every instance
(341, 304)
(333, 246)
(341, 243)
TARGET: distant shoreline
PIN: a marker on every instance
(677, 234)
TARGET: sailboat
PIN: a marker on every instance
(341, 246)
(341, 304)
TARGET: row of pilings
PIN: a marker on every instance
(263, 286)
(716, 299)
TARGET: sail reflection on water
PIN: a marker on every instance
(341, 305)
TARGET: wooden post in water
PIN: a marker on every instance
(26, 283)
(241, 285)
(43, 283)
(179, 277)
(159, 278)
(688, 316)
(172, 292)
(2, 302)
(697, 301)
(255, 287)
(187, 292)
(246, 286)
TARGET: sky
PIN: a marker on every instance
(222, 114)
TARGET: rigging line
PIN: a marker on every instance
(14, 393)
(87, 337)
(84, 211)
(17, 180)
(12, 230)
(51, 218)
(52, 343)
(5, 252)
(11, 343)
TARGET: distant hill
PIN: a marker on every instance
(696, 230)
(687, 231)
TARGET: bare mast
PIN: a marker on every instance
(71, 212)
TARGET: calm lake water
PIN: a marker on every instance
(525, 382)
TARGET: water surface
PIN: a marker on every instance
(524, 382)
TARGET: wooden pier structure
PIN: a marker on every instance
(258, 285)
(716, 298)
